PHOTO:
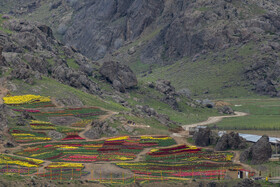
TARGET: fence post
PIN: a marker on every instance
(7, 171)
(28, 171)
(51, 173)
(134, 178)
(72, 173)
(161, 176)
(92, 174)
(19, 170)
(123, 177)
(100, 176)
(60, 174)
(80, 172)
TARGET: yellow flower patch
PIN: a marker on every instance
(39, 122)
(118, 138)
(22, 134)
(65, 165)
(155, 138)
(22, 99)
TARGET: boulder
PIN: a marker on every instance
(259, 152)
(207, 103)
(205, 137)
(121, 76)
(225, 110)
(165, 87)
(55, 135)
(230, 141)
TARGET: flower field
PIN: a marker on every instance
(24, 136)
(64, 171)
(186, 153)
(41, 125)
(24, 162)
(113, 149)
(201, 170)
(89, 113)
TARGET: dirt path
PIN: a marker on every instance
(236, 160)
(214, 119)
(101, 118)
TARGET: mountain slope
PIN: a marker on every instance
(147, 35)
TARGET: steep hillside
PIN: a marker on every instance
(32, 61)
(237, 40)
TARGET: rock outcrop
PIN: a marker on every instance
(259, 152)
(225, 110)
(121, 76)
(100, 128)
(33, 52)
(230, 141)
(165, 87)
(205, 137)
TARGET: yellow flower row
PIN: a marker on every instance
(39, 122)
(123, 158)
(66, 147)
(65, 165)
(22, 134)
(42, 127)
(155, 138)
(8, 160)
(34, 138)
(118, 138)
(22, 99)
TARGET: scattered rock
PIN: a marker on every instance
(230, 141)
(207, 103)
(247, 183)
(99, 128)
(128, 128)
(55, 135)
(121, 76)
(259, 152)
(150, 111)
(9, 144)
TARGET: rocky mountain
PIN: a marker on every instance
(240, 35)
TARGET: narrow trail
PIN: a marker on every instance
(101, 118)
(214, 119)
(237, 161)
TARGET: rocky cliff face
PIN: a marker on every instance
(32, 52)
(162, 32)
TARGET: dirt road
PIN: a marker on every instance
(214, 119)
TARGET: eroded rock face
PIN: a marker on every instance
(121, 76)
(259, 152)
(230, 141)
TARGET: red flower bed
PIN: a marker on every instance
(73, 137)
